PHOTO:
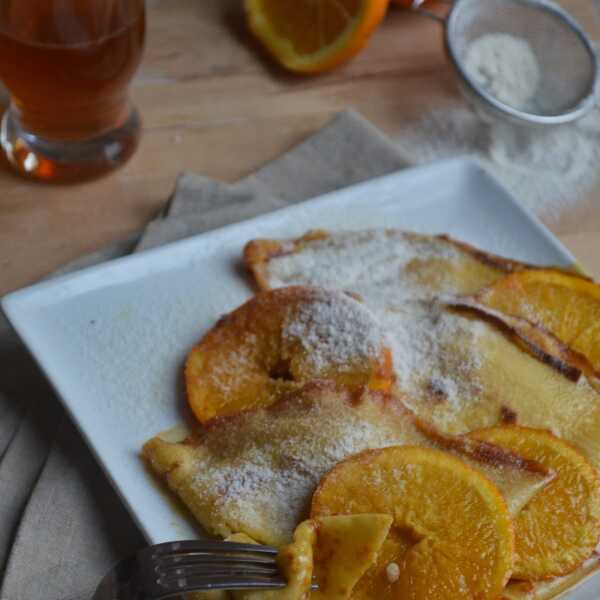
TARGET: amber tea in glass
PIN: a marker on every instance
(67, 65)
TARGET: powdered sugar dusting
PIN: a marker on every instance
(260, 472)
(235, 367)
(434, 352)
(507, 67)
(369, 263)
(334, 329)
(551, 171)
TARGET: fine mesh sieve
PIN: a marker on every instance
(566, 56)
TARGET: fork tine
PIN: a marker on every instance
(212, 571)
(174, 568)
(211, 546)
(214, 567)
(208, 582)
(211, 559)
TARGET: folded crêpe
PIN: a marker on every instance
(457, 370)
(255, 472)
(384, 265)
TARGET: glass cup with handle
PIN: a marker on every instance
(68, 65)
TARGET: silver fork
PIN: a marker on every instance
(174, 568)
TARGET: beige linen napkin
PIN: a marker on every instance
(61, 524)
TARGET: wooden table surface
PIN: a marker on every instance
(213, 104)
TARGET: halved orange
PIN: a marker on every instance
(566, 305)
(452, 535)
(560, 526)
(311, 36)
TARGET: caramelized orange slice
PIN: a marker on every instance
(452, 535)
(280, 340)
(552, 588)
(560, 526)
(310, 37)
(566, 305)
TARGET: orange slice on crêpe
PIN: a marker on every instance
(452, 535)
(280, 340)
(559, 527)
(566, 305)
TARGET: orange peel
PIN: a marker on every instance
(311, 37)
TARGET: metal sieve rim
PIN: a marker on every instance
(579, 110)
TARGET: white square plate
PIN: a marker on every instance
(112, 339)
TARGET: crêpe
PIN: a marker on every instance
(255, 472)
(456, 370)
